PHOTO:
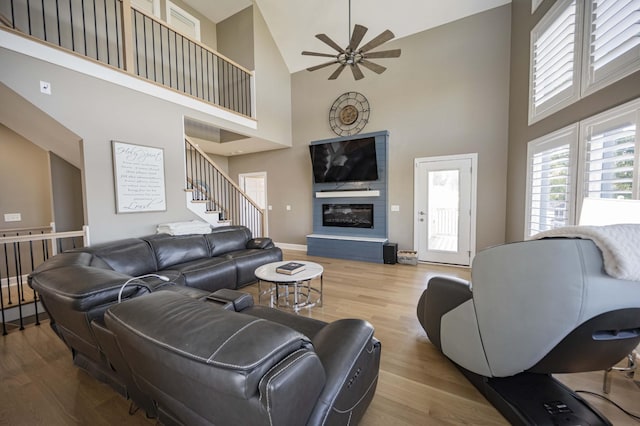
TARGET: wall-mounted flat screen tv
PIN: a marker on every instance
(346, 161)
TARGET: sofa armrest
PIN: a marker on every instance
(289, 391)
(85, 287)
(442, 295)
(350, 356)
(260, 243)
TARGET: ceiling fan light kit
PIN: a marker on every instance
(353, 56)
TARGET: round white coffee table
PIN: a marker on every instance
(283, 287)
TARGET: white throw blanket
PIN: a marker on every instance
(620, 246)
(184, 228)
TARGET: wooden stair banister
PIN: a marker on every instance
(205, 177)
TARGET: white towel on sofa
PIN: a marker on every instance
(619, 244)
(184, 228)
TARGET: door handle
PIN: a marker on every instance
(421, 213)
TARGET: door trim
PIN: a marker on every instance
(474, 189)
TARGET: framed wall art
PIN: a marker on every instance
(138, 173)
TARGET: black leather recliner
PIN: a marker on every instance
(203, 363)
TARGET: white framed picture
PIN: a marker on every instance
(138, 173)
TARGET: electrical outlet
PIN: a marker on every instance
(270, 207)
(12, 217)
(45, 87)
(288, 207)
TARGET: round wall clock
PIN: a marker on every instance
(349, 114)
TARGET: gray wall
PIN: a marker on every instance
(66, 194)
(24, 184)
(235, 38)
(520, 133)
(447, 94)
(99, 111)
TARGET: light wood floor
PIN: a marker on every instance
(417, 386)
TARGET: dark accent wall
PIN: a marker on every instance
(520, 133)
(379, 202)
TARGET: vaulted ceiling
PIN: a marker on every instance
(294, 23)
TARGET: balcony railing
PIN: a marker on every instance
(119, 35)
(21, 251)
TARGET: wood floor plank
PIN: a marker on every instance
(417, 385)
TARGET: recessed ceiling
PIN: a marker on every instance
(294, 23)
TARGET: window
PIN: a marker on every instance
(550, 180)
(554, 74)
(182, 21)
(612, 47)
(596, 158)
(609, 164)
(151, 7)
(569, 62)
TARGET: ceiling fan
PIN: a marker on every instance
(354, 56)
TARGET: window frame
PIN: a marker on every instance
(600, 122)
(585, 80)
(620, 67)
(577, 135)
(568, 95)
(566, 136)
(171, 7)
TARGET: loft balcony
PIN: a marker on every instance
(118, 35)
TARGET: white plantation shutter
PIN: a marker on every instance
(554, 60)
(551, 180)
(610, 166)
(612, 42)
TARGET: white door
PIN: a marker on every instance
(445, 209)
(255, 186)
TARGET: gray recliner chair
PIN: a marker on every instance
(535, 308)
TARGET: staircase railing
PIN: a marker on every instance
(117, 34)
(208, 183)
(21, 251)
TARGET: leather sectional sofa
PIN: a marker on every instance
(179, 303)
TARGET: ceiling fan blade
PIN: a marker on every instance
(356, 37)
(317, 67)
(326, 55)
(379, 69)
(357, 72)
(394, 53)
(324, 38)
(337, 72)
(383, 37)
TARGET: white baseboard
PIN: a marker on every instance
(295, 247)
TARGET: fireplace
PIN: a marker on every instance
(348, 215)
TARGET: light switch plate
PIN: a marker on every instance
(395, 208)
(12, 217)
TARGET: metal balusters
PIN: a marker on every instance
(21, 258)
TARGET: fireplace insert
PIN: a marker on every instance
(348, 215)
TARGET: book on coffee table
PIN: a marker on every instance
(290, 268)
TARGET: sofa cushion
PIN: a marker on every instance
(247, 261)
(178, 249)
(228, 352)
(208, 274)
(227, 238)
(131, 256)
